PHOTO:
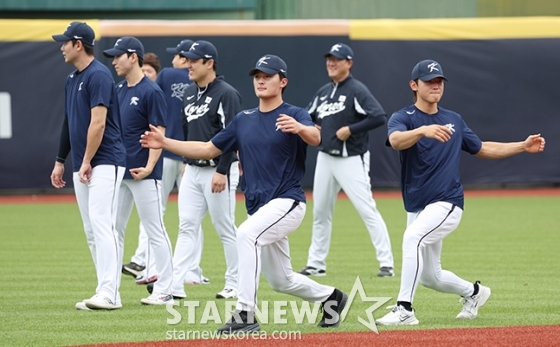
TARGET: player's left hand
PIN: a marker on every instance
(534, 143)
(343, 133)
(140, 173)
(288, 124)
(152, 139)
(84, 174)
(218, 182)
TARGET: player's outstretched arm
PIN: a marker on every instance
(498, 150)
(189, 149)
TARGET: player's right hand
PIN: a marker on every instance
(85, 173)
(56, 175)
(438, 132)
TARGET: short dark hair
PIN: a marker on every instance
(152, 60)
(281, 75)
(214, 67)
(88, 49)
(140, 60)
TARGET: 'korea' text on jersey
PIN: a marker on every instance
(347, 103)
(206, 112)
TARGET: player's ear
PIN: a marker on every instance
(283, 82)
(413, 85)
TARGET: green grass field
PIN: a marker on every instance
(510, 244)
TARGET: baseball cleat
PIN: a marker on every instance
(146, 280)
(474, 302)
(240, 321)
(100, 302)
(311, 271)
(132, 269)
(386, 271)
(227, 293)
(157, 299)
(82, 306)
(398, 316)
(204, 280)
(336, 302)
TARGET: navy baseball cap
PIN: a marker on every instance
(271, 65)
(202, 50)
(427, 70)
(340, 51)
(77, 31)
(181, 48)
(125, 44)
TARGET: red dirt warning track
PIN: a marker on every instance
(541, 336)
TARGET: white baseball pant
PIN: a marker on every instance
(422, 243)
(98, 203)
(195, 200)
(350, 174)
(262, 245)
(146, 195)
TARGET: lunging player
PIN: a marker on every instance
(429, 139)
(272, 143)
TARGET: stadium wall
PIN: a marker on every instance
(501, 79)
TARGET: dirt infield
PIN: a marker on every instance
(69, 198)
(542, 336)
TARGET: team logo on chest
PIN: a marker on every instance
(450, 127)
(193, 111)
(329, 108)
(134, 100)
(178, 89)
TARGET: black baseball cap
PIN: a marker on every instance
(340, 51)
(427, 70)
(77, 31)
(127, 44)
(202, 50)
(270, 64)
(181, 48)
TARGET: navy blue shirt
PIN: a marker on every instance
(140, 105)
(430, 169)
(273, 162)
(173, 82)
(86, 89)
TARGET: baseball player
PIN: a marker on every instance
(173, 81)
(142, 103)
(272, 143)
(429, 139)
(345, 111)
(92, 130)
(209, 105)
(141, 258)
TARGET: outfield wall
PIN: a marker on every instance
(501, 79)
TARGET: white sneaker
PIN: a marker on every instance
(398, 316)
(82, 306)
(227, 293)
(158, 299)
(474, 302)
(100, 302)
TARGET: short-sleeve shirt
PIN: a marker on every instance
(273, 162)
(141, 105)
(173, 82)
(86, 89)
(430, 169)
